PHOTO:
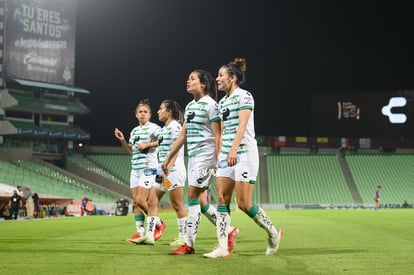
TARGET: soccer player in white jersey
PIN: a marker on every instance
(201, 130)
(142, 146)
(171, 113)
(239, 148)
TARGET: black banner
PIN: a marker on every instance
(364, 115)
(40, 40)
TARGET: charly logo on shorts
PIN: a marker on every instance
(395, 118)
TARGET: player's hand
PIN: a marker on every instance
(164, 167)
(118, 134)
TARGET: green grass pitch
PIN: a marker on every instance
(340, 241)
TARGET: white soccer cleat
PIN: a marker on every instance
(273, 243)
(218, 252)
(144, 240)
(148, 241)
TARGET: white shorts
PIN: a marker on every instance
(245, 170)
(201, 169)
(138, 178)
(177, 180)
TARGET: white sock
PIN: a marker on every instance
(222, 228)
(181, 227)
(151, 222)
(211, 214)
(140, 227)
(193, 221)
(264, 222)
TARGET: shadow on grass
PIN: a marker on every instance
(303, 251)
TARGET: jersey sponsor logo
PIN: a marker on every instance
(191, 132)
(190, 116)
(225, 112)
(229, 130)
(136, 140)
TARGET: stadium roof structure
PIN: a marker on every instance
(47, 130)
(27, 102)
(49, 86)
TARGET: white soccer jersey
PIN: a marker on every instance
(144, 134)
(166, 136)
(198, 118)
(229, 108)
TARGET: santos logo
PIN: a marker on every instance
(395, 118)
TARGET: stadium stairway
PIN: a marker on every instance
(92, 177)
(95, 180)
(349, 179)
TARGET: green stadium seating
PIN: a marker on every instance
(45, 180)
(117, 164)
(394, 172)
(306, 179)
(95, 168)
(303, 179)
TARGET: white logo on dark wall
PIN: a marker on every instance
(66, 74)
(395, 118)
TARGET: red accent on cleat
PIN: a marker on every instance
(231, 239)
(159, 230)
(136, 236)
(183, 250)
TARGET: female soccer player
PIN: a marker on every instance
(171, 113)
(201, 130)
(142, 146)
(238, 143)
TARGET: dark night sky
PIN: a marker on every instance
(128, 50)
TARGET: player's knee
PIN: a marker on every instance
(243, 204)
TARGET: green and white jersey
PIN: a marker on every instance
(144, 134)
(198, 118)
(166, 136)
(229, 107)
